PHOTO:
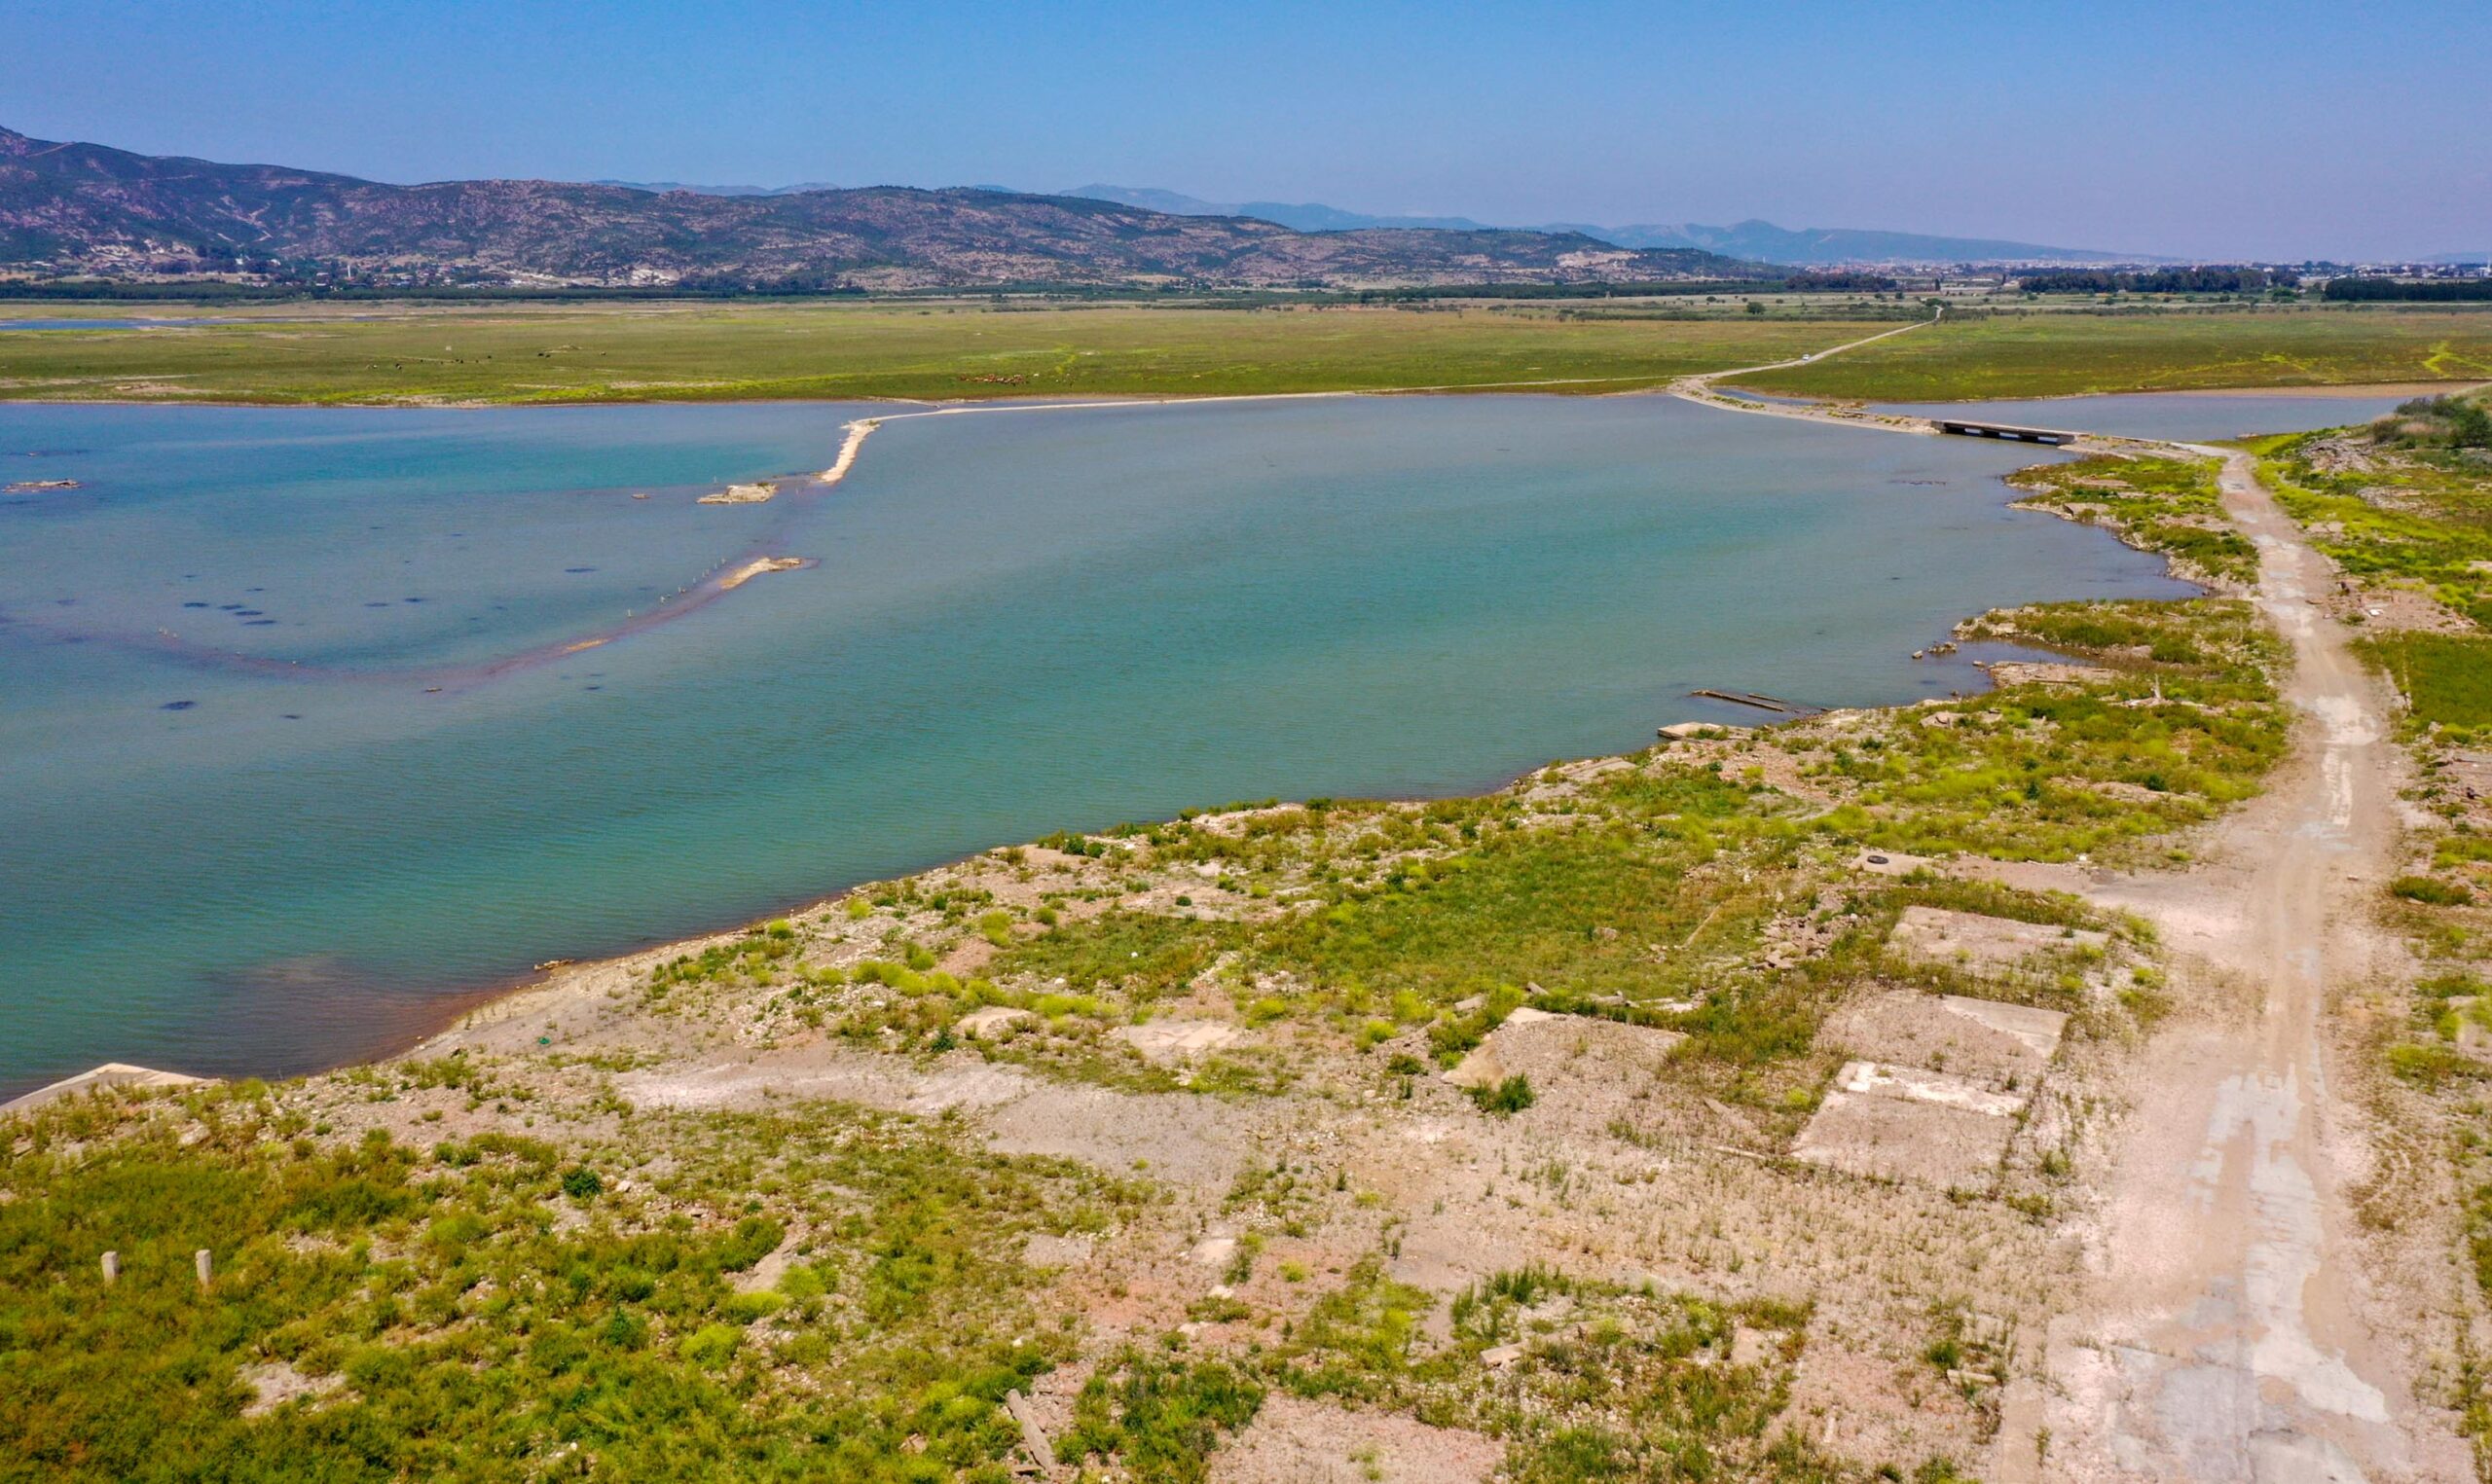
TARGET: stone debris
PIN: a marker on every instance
(1909, 1119)
(2000, 1045)
(1164, 1041)
(1294, 1441)
(1560, 1051)
(95, 1080)
(2038, 1029)
(741, 494)
(1034, 1438)
(274, 1382)
(1042, 1250)
(1884, 1132)
(760, 566)
(1915, 1084)
(1985, 945)
(982, 1025)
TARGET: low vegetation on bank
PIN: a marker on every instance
(2166, 505)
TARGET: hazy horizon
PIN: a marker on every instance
(2272, 132)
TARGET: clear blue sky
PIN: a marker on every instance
(2275, 129)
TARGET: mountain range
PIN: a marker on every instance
(1753, 240)
(73, 209)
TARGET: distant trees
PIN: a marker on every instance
(2161, 280)
(2425, 290)
(1841, 281)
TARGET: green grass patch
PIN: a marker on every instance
(1139, 954)
(693, 351)
(1572, 910)
(456, 1329)
(1159, 1418)
(2400, 512)
(2060, 353)
(2446, 679)
(2187, 723)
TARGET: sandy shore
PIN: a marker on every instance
(858, 432)
(757, 566)
(2310, 389)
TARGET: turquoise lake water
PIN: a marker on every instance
(268, 805)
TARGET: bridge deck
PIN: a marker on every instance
(1965, 429)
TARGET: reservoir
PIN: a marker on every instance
(301, 755)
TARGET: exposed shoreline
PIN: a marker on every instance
(2313, 390)
(1652, 384)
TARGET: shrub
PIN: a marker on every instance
(712, 1346)
(1507, 1098)
(1159, 1418)
(2431, 892)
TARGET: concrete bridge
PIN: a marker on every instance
(1965, 429)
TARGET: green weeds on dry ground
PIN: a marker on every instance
(496, 1307)
(1601, 1381)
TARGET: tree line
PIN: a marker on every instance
(2426, 290)
(2161, 280)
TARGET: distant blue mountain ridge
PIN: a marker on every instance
(1755, 240)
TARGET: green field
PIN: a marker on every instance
(696, 352)
(693, 351)
(2066, 354)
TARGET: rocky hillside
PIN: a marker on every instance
(86, 209)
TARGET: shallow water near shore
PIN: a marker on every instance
(2187, 417)
(2184, 417)
(274, 799)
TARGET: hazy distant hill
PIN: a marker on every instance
(1753, 240)
(660, 187)
(1819, 246)
(1309, 217)
(89, 208)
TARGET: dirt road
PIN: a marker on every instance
(2225, 1337)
